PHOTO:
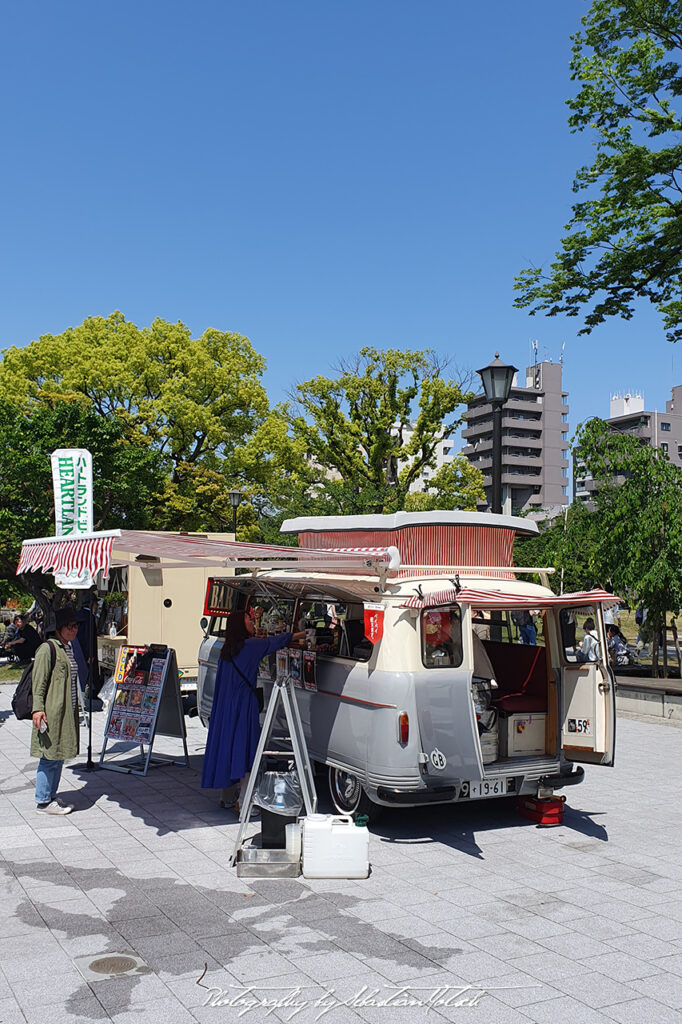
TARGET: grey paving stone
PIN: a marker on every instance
(257, 966)
(646, 947)
(118, 994)
(518, 989)
(326, 967)
(564, 1009)
(638, 1010)
(507, 945)
(575, 946)
(169, 1010)
(621, 967)
(664, 988)
(596, 990)
(78, 1010)
(548, 966)
(601, 927)
(661, 927)
(10, 1012)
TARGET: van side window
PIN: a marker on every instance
(272, 615)
(441, 631)
(337, 628)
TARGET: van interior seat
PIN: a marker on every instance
(521, 675)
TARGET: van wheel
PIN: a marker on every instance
(349, 797)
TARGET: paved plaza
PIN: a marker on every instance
(471, 914)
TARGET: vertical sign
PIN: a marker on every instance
(72, 481)
(374, 622)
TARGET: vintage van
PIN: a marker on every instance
(421, 690)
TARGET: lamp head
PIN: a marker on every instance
(497, 380)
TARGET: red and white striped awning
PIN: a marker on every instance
(97, 551)
(505, 599)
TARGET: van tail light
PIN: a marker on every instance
(403, 727)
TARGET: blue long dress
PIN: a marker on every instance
(234, 726)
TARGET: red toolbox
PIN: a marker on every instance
(543, 811)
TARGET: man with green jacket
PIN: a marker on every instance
(55, 712)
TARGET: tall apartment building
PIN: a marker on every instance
(534, 441)
(627, 415)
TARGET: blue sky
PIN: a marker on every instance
(315, 175)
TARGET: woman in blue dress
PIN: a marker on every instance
(234, 725)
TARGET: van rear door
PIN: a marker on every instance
(588, 708)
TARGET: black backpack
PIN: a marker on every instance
(22, 701)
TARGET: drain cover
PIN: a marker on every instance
(112, 964)
(98, 966)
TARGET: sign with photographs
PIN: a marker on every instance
(146, 702)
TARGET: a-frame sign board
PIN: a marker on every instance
(146, 704)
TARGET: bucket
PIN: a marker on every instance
(334, 847)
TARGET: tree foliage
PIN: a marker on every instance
(567, 543)
(195, 401)
(128, 482)
(357, 442)
(639, 505)
(624, 239)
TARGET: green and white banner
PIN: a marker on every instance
(72, 481)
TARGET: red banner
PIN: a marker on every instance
(374, 622)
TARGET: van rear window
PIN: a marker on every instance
(441, 630)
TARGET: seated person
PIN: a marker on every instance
(618, 652)
(26, 642)
(589, 649)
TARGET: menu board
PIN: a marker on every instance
(139, 681)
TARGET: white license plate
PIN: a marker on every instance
(489, 787)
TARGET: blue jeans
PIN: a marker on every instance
(528, 635)
(47, 780)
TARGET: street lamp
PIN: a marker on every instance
(235, 500)
(497, 380)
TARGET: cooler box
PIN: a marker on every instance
(525, 733)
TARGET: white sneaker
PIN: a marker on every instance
(54, 807)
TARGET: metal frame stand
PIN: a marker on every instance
(282, 690)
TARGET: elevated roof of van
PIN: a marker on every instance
(402, 520)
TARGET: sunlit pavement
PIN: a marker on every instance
(470, 914)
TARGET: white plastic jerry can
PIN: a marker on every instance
(334, 847)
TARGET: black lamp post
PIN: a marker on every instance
(497, 380)
(235, 500)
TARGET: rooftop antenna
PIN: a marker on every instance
(561, 356)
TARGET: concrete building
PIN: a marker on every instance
(627, 415)
(534, 441)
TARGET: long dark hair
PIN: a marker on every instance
(235, 636)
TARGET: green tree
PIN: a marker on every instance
(195, 401)
(356, 442)
(624, 239)
(638, 544)
(567, 543)
(128, 482)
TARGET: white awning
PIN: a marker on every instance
(97, 551)
(505, 599)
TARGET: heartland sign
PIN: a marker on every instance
(72, 481)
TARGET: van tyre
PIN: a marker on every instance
(349, 797)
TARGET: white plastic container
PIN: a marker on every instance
(334, 847)
(293, 838)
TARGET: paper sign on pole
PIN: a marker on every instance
(72, 481)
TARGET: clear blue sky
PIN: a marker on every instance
(315, 175)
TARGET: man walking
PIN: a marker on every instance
(55, 712)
